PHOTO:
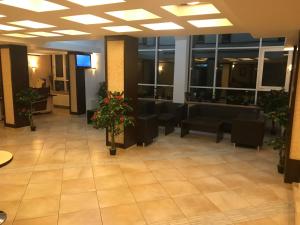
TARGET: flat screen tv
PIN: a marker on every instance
(83, 61)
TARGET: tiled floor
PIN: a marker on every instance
(62, 174)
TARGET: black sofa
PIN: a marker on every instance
(146, 123)
(240, 121)
(169, 115)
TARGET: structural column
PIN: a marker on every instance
(15, 77)
(121, 75)
(292, 169)
(181, 68)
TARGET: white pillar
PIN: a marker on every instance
(181, 68)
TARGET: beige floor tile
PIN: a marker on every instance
(76, 202)
(264, 221)
(122, 215)
(49, 220)
(10, 208)
(149, 192)
(43, 190)
(177, 188)
(183, 162)
(113, 181)
(284, 219)
(158, 164)
(38, 207)
(195, 205)
(106, 170)
(193, 172)
(256, 195)
(78, 186)
(218, 169)
(208, 184)
(140, 178)
(77, 173)
(133, 167)
(160, 210)
(227, 200)
(209, 159)
(114, 197)
(46, 176)
(15, 178)
(168, 175)
(85, 217)
(11, 192)
(234, 180)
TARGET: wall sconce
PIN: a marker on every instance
(94, 63)
(33, 63)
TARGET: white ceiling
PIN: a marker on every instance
(261, 18)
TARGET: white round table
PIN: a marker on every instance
(5, 158)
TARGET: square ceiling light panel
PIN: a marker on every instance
(20, 35)
(45, 34)
(163, 26)
(31, 24)
(133, 14)
(121, 29)
(9, 28)
(71, 32)
(87, 3)
(34, 5)
(191, 10)
(86, 19)
(211, 23)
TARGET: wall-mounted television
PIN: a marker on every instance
(83, 61)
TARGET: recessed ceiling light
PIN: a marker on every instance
(71, 32)
(34, 5)
(133, 14)
(163, 26)
(1, 16)
(86, 19)
(95, 2)
(45, 34)
(211, 23)
(20, 35)
(31, 24)
(121, 29)
(191, 10)
(9, 28)
(193, 3)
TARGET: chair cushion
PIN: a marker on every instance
(166, 117)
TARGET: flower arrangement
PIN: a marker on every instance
(113, 114)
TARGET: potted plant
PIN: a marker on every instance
(26, 98)
(280, 116)
(113, 114)
(102, 93)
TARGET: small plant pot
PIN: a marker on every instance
(33, 128)
(112, 151)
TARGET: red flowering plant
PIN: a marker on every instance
(113, 114)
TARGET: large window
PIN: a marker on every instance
(156, 67)
(233, 68)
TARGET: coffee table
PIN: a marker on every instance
(5, 158)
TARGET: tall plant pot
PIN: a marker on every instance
(112, 151)
(280, 166)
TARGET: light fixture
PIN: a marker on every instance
(133, 14)
(71, 32)
(33, 62)
(163, 26)
(87, 3)
(193, 3)
(31, 24)
(160, 68)
(9, 28)
(121, 29)
(288, 49)
(20, 35)
(86, 19)
(45, 34)
(1, 16)
(94, 60)
(191, 10)
(211, 23)
(34, 5)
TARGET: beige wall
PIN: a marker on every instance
(42, 70)
(295, 144)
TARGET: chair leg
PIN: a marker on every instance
(258, 148)
(234, 147)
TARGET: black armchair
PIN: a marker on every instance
(146, 124)
(248, 131)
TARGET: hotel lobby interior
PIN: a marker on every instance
(126, 112)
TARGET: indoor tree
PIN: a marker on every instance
(113, 114)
